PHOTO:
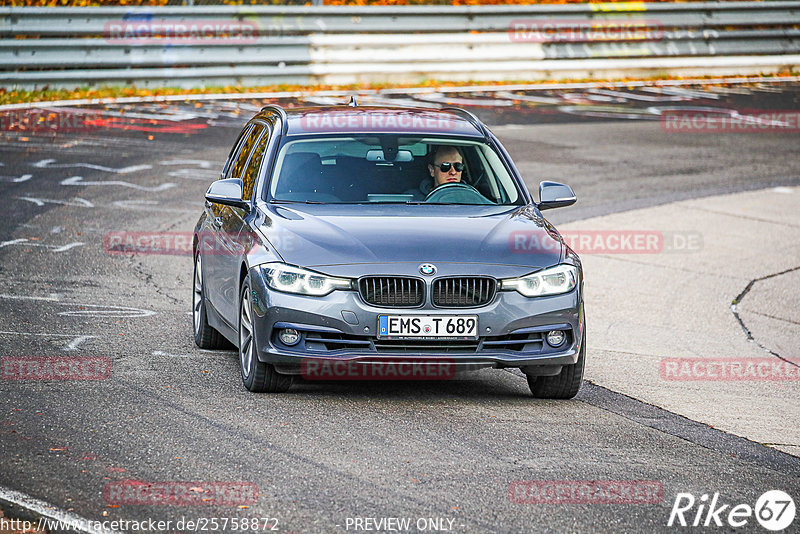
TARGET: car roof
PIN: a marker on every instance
(380, 119)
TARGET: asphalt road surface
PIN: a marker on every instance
(334, 456)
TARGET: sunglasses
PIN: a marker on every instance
(445, 167)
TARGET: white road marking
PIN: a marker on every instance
(203, 175)
(784, 190)
(203, 164)
(528, 98)
(151, 205)
(99, 310)
(162, 353)
(78, 180)
(45, 509)
(172, 116)
(634, 96)
(40, 334)
(54, 248)
(405, 90)
(458, 101)
(73, 345)
(135, 204)
(53, 297)
(681, 92)
(79, 202)
(12, 242)
(23, 178)
(170, 355)
(66, 247)
(49, 164)
(77, 339)
(106, 311)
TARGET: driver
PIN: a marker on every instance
(447, 166)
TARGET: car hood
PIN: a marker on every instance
(318, 235)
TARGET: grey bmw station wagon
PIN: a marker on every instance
(384, 242)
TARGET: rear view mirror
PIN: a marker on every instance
(377, 155)
(555, 195)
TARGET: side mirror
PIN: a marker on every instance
(228, 192)
(555, 195)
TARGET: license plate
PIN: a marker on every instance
(431, 326)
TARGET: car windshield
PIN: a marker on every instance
(390, 169)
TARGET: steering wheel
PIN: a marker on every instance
(456, 193)
(481, 177)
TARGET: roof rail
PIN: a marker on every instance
(473, 120)
(280, 111)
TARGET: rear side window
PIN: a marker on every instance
(240, 163)
(234, 151)
(251, 173)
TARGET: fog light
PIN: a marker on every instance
(289, 336)
(555, 338)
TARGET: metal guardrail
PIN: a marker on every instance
(305, 44)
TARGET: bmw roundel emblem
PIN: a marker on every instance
(427, 269)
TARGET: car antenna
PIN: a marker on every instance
(353, 103)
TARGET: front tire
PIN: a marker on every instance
(205, 335)
(564, 385)
(257, 376)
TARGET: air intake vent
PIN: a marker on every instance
(392, 291)
(463, 292)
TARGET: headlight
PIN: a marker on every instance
(553, 281)
(289, 279)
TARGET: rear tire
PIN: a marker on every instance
(205, 336)
(257, 376)
(564, 385)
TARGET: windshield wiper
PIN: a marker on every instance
(398, 202)
(279, 201)
(457, 204)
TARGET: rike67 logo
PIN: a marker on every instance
(774, 510)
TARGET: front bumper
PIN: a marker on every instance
(341, 327)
